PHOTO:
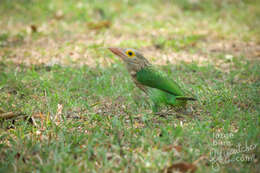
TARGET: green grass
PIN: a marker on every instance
(106, 122)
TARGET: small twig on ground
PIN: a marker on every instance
(8, 115)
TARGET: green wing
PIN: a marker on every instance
(156, 79)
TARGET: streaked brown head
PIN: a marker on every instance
(133, 58)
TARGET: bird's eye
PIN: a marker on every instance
(130, 53)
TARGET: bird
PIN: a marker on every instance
(156, 84)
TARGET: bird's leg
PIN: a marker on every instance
(155, 108)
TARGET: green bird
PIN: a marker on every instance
(160, 89)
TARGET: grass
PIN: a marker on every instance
(53, 63)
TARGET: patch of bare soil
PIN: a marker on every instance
(250, 50)
(90, 49)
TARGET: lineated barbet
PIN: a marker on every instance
(160, 89)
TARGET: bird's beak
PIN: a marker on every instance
(118, 51)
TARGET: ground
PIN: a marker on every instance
(74, 108)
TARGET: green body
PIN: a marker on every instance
(160, 89)
(160, 98)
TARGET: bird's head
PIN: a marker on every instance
(130, 56)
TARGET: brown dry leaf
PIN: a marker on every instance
(167, 148)
(181, 167)
(172, 147)
(99, 25)
(178, 148)
(34, 28)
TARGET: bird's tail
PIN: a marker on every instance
(185, 98)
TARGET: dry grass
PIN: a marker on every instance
(54, 62)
